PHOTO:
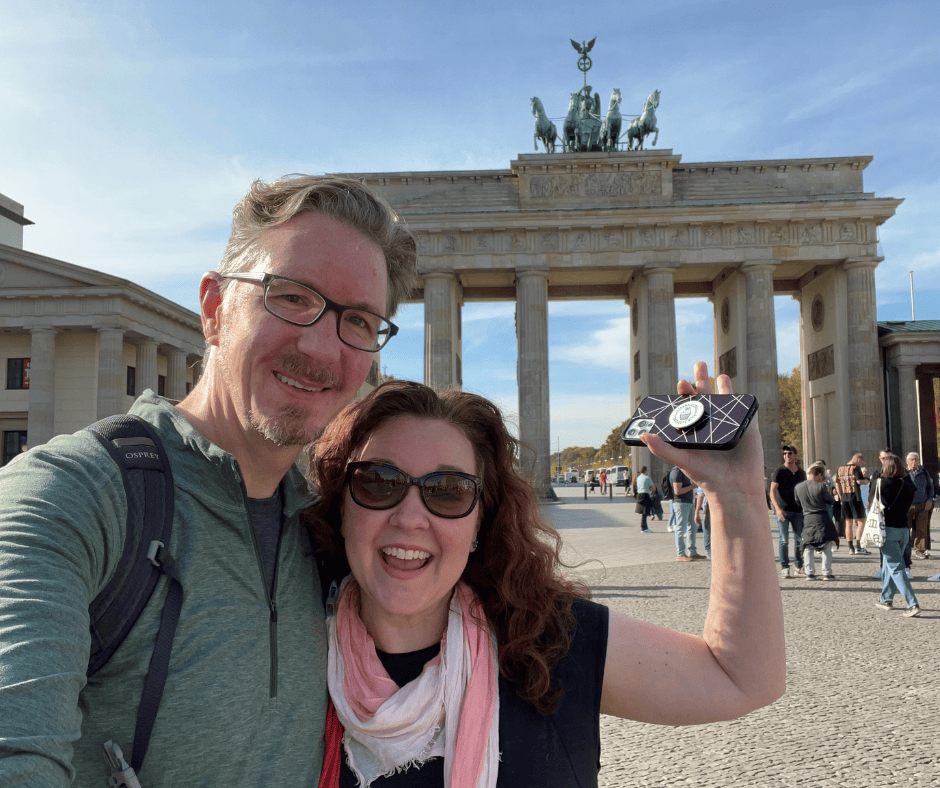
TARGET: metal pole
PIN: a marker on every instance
(912, 296)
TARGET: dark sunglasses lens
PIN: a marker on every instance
(377, 486)
(448, 494)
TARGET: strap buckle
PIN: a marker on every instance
(155, 547)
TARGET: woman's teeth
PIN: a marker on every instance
(406, 555)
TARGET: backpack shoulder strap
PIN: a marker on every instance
(136, 448)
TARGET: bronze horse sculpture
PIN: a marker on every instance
(545, 130)
(610, 128)
(645, 124)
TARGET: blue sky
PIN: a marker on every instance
(130, 129)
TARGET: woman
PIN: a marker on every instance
(850, 478)
(457, 647)
(897, 492)
(644, 498)
(819, 531)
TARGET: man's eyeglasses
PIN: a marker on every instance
(301, 305)
(450, 494)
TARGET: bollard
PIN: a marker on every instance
(585, 491)
(610, 490)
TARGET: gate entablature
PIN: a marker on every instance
(646, 228)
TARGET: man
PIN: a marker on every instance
(788, 510)
(603, 482)
(682, 490)
(918, 518)
(245, 698)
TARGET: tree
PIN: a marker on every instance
(791, 410)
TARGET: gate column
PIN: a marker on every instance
(442, 368)
(663, 369)
(866, 396)
(761, 377)
(532, 375)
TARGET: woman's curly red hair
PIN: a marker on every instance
(514, 570)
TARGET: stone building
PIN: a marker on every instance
(77, 345)
(910, 356)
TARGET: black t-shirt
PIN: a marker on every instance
(676, 476)
(786, 482)
(562, 749)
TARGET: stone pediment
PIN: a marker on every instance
(24, 271)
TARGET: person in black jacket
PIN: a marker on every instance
(819, 531)
(897, 492)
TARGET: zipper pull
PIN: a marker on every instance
(123, 773)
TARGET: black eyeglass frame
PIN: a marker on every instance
(265, 279)
(413, 481)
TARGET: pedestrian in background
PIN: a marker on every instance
(850, 478)
(788, 511)
(682, 503)
(897, 492)
(644, 503)
(703, 520)
(918, 518)
(819, 531)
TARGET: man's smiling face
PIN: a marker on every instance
(287, 382)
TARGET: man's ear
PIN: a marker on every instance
(210, 306)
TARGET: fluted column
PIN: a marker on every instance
(663, 373)
(441, 336)
(907, 400)
(146, 367)
(762, 356)
(532, 339)
(866, 399)
(661, 331)
(40, 426)
(112, 383)
(176, 375)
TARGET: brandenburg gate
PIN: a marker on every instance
(644, 227)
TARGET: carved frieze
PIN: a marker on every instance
(602, 184)
(728, 363)
(821, 363)
(612, 239)
(811, 233)
(548, 242)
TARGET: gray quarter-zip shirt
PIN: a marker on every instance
(245, 699)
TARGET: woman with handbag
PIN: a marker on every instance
(896, 491)
(644, 500)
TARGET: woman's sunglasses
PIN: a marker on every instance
(449, 494)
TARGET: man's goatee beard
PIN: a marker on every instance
(289, 428)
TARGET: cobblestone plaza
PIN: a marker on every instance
(862, 706)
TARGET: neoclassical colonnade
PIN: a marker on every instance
(644, 228)
(82, 331)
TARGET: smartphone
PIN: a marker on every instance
(699, 421)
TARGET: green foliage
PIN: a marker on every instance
(791, 410)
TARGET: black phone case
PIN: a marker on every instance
(724, 421)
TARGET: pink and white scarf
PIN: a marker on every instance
(452, 709)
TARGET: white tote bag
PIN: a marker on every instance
(873, 534)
